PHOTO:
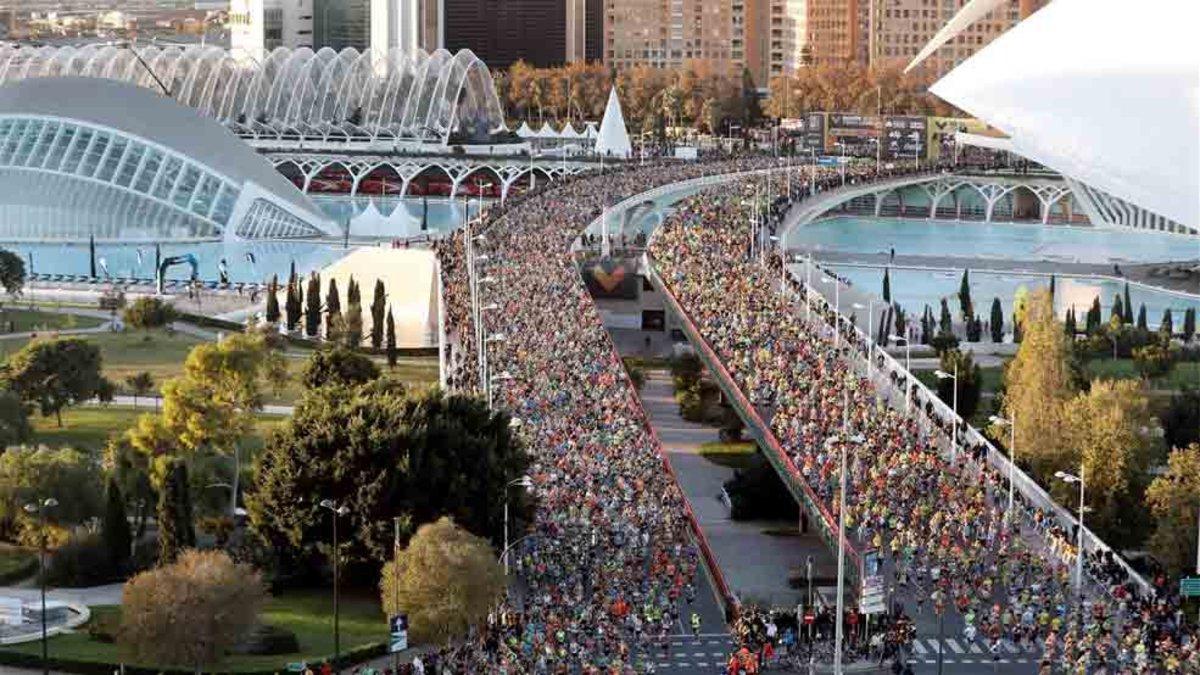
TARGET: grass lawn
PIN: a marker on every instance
(309, 614)
(89, 427)
(1185, 374)
(25, 320)
(732, 455)
(417, 372)
(991, 378)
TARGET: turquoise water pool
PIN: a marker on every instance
(1007, 241)
(914, 289)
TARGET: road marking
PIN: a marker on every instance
(1010, 647)
(954, 645)
(975, 649)
(918, 647)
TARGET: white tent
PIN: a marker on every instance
(524, 131)
(613, 139)
(1102, 94)
(568, 132)
(590, 131)
(547, 131)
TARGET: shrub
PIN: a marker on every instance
(104, 627)
(83, 561)
(1154, 360)
(268, 640)
(149, 312)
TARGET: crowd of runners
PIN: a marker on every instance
(942, 527)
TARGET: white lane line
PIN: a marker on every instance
(918, 648)
(975, 649)
(1010, 647)
(954, 645)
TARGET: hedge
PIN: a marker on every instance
(23, 660)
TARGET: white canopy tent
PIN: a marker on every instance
(524, 131)
(547, 132)
(1102, 94)
(613, 139)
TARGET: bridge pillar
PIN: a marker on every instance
(879, 197)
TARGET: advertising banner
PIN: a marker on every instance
(872, 598)
(940, 134)
(858, 133)
(398, 627)
(612, 279)
(814, 133)
(904, 137)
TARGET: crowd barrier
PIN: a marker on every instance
(759, 429)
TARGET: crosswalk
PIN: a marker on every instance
(954, 650)
(689, 653)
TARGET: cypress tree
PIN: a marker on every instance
(175, 528)
(273, 301)
(1141, 318)
(115, 532)
(926, 326)
(391, 340)
(997, 321)
(901, 321)
(1094, 317)
(887, 285)
(964, 296)
(333, 311)
(1118, 310)
(312, 307)
(1128, 305)
(1051, 288)
(1189, 324)
(1167, 326)
(1069, 324)
(945, 322)
(378, 308)
(353, 327)
(292, 305)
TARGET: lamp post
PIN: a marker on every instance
(494, 380)
(907, 366)
(837, 310)
(730, 136)
(1071, 479)
(492, 339)
(1012, 459)
(39, 509)
(943, 375)
(870, 307)
(333, 507)
(525, 482)
(841, 536)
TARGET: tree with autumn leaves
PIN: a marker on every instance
(852, 88)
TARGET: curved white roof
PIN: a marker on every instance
(1101, 91)
(139, 112)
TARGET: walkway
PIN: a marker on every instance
(756, 565)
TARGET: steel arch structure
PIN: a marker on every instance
(294, 94)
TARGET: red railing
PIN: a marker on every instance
(780, 456)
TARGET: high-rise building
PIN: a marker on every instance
(834, 32)
(540, 32)
(404, 24)
(339, 24)
(728, 35)
(789, 36)
(256, 26)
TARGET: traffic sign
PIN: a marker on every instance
(1190, 587)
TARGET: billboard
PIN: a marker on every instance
(941, 130)
(814, 133)
(904, 137)
(857, 133)
(612, 278)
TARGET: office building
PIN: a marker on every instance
(727, 35)
(404, 24)
(341, 24)
(257, 26)
(543, 33)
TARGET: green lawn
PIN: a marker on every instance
(417, 372)
(89, 427)
(732, 455)
(1185, 374)
(25, 320)
(309, 614)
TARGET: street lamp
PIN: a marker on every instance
(494, 380)
(1070, 479)
(837, 310)
(943, 375)
(39, 509)
(333, 507)
(907, 366)
(857, 439)
(1012, 455)
(525, 482)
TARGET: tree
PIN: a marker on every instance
(12, 272)
(966, 307)
(115, 533)
(1094, 317)
(352, 325)
(54, 373)
(446, 580)
(1181, 419)
(391, 340)
(900, 322)
(1038, 382)
(176, 530)
(140, 384)
(1128, 306)
(1141, 318)
(148, 312)
(28, 474)
(1166, 327)
(997, 321)
(312, 307)
(292, 304)
(1118, 310)
(333, 311)
(337, 366)
(927, 326)
(14, 420)
(418, 457)
(1174, 501)
(945, 322)
(1069, 324)
(378, 308)
(969, 381)
(273, 300)
(1189, 324)
(1107, 433)
(191, 612)
(1154, 360)
(887, 285)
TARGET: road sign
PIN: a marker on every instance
(398, 626)
(1190, 587)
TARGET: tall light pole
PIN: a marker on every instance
(943, 375)
(1012, 460)
(841, 537)
(837, 310)
(870, 307)
(39, 509)
(525, 482)
(493, 381)
(1071, 479)
(907, 366)
(337, 511)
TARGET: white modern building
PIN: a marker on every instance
(397, 24)
(260, 26)
(88, 157)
